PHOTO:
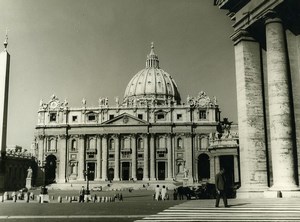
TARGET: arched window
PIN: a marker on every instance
(179, 143)
(126, 143)
(203, 143)
(162, 142)
(52, 144)
(92, 143)
(111, 144)
(73, 144)
(140, 144)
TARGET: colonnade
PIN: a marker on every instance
(253, 109)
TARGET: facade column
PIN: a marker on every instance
(104, 158)
(236, 168)
(212, 169)
(133, 159)
(146, 159)
(282, 132)
(188, 155)
(152, 157)
(251, 116)
(41, 148)
(81, 158)
(99, 152)
(62, 158)
(217, 164)
(170, 162)
(117, 158)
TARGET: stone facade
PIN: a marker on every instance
(266, 43)
(150, 135)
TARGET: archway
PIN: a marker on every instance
(50, 169)
(125, 170)
(227, 163)
(203, 167)
(139, 175)
(110, 175)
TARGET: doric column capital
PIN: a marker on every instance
(98, 136)
(188, 135)
(241, 35)
(41, 137)
(104, 136)
(272, 16)
(116, 136)
(152, 135)
(169, 135)
(81, 136)
(144, 135)
(63, 136)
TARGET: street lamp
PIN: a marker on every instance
(42, 165)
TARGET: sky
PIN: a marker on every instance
(88, 49)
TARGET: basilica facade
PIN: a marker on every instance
(149, 135)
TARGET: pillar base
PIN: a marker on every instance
(285, 187)
(249, 194)
(116, 179)
(103, 179)
(146, 179)
(153, 179)
(61, 181)
(281, 194)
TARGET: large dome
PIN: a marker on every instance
(152, 84)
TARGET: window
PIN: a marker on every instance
(52, 145)
(74, 145)
(126, 143)
(204, 143)
(179, 143)
(202, 114)
(179, 116)
(160, 116)
(111, 156)
(111, 116)
(92, 144)
(140, 144)
(52, 117)
(140, 116)
(161, 155)
(140, 155)
(162, 142)
(112, 144)
(74, 118)
(91, 117)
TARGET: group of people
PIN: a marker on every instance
(161, 194)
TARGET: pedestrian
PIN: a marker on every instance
(221, 188)
(175, 194)
(163, 192)
(157, 192)
(81, 195)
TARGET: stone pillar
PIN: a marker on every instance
(170, 163)
(104, 158)
(41, 148)
(99, 152)
(188, 155)
(146, 159)
(134, 157)
(117, 158)
(282, 132)
(236, 168)
(62, 158)
(250, 115)
(217, 164)
(152, 157)
(81, 158)
(212, 169)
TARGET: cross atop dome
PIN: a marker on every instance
(152, 58)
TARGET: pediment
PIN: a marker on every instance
(125, 119)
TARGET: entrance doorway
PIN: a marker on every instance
(110, 175)
(139, 175)
(161, 167)
(203, 167)
(91, 171)
(125, 170)
(50, 169)
(226, 162)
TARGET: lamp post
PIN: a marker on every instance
(42, 165)
(86, 175)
